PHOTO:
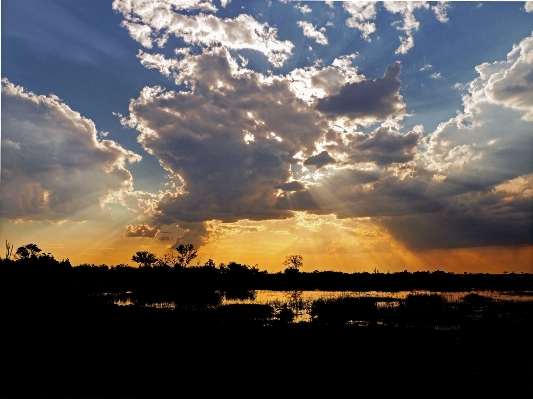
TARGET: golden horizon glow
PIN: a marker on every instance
(325, 242)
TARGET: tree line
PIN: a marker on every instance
(29, 262)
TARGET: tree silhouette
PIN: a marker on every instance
(293, 263)
(144, 258)
(27, 251)
(186, 253)
(170, 259)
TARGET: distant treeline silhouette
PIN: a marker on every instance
(174, 272)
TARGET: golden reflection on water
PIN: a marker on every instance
(300, 302)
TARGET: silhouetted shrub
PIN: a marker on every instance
(285, 314)
(424, 309)
(159, 292)
(423, 300)
(344, 309)
(475, 298)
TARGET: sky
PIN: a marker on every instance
(359, 135)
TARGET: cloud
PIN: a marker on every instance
(529, 6)
(522, 185)
(319, 160)
(194, 233)
(368, 192)
(361, 12)
(140, 230)
(409, 22)
(423, 232)
(56, 168)
(156, 20)
(509, 83)
(303, 9)
(202, 233)
(326, 234)
(482, 177)
(384, 147)
(311, 31)
(369, 98)
(314, 82)
(291, 186)
(202, 138)
(463, 149)
(229, 142)
(435, 75)
(464, 185)
(473, 219)
(143, 8)
(440, 10)
(497, 102)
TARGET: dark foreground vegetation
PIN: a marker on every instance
(64, 336)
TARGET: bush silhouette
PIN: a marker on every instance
(344, 309)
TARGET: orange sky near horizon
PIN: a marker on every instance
(326, 243)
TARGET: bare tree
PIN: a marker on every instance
(169, 259)
(9, 249)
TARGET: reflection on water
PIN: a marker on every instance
(300, 302)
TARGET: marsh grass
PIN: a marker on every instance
(344, 310)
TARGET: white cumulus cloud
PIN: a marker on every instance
(303, 9)
(156, 20)
(311, 31)
(363, 15)
(509, 82)
(362, 12)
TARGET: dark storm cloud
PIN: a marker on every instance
(291, 186)
(356, 193)
(384, 147)
(484, 221)
(299, 201)
(371, 98)
(319, 160)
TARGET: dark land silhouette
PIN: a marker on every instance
(63, 334)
